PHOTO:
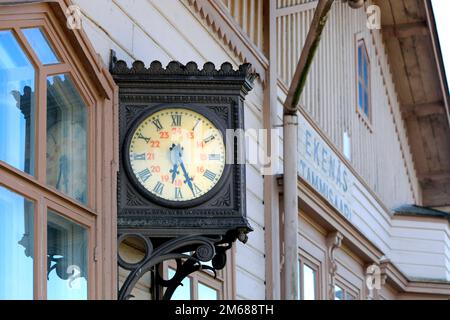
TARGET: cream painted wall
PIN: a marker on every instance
(166, 30)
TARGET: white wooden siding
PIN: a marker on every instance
(380, 151)
(249, 16)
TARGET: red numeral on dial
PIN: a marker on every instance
(164, 135)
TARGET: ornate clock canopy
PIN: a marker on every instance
(175, 190)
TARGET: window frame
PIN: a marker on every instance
(316, 267)
(347, 288)
(40, 125)
(366, 119)
(94, 90)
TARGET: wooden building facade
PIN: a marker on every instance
(373, 142)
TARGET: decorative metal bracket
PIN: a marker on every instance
(203, 248)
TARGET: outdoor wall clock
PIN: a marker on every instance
(174, 175)
(181, 184)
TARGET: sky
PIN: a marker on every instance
(441, 10)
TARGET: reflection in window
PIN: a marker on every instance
(40, 45)
(17, 105)
(338, 293)
(206, 293)
(349, 296)
(67, 250)
(309, 279)
(16, 246)
(66, 138)
(183, 292)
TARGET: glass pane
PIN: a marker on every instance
(207, 293)
(17, 105)
(366, 103)
(349, 296)
(338, 293)
(366, 74)
(40, 45)
(16, 246)
(360, 95)
(360, 49)
(66, 138)
(67, 254)
(309, 279)
(183, 292)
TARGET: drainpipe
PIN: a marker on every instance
(290, 130)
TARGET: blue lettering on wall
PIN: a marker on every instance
(334, 185)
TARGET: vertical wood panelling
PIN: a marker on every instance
(380, 151)
(249, 16)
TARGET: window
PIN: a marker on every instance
(67, 258)
(67, 115)
(49, 89)
(363, 87)
(66, 138)
(308, 280)
(343, 292)
(17, 105)
(199, 285)
(16, 246)
(40, 45)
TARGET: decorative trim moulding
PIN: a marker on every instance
(404, 284)
(231, 34)
(359, 244)
(334, 241)
(190, 69)
(175, 72)
(301, 7)
(313, 204)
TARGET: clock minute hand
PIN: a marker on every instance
(174, 172)
(186, 175)
(173, 150)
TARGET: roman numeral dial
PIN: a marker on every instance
(176, 154)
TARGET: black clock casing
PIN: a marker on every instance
(218, 95)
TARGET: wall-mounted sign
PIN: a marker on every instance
(321, 168)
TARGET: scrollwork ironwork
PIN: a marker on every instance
(204, 248)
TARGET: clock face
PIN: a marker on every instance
(177, 154)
